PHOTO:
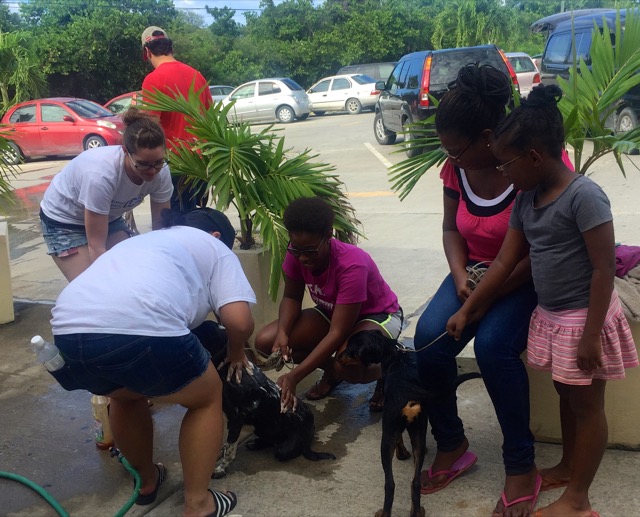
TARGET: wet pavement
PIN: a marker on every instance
(46, 434)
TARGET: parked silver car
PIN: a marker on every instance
(220, 91)
(526, 71)
(281, 99)
(351, 92)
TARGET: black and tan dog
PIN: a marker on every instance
(255, 401)
(404, 407)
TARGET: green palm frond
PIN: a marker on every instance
(253, 172)
(7, 171)
(593, 94)
(406, 174)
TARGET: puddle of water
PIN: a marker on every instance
(21, 213)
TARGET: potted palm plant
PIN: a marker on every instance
(254, 173)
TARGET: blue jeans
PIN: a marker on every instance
(500, 338)
(151, 366)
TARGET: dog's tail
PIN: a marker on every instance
(317, 456)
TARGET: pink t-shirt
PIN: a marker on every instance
(352, 277)
(483, 223)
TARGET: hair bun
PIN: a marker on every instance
(543, 96)
(485, 82)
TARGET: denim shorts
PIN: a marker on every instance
(62, 239)
(151, 366)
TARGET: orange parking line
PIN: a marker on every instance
(379, 193)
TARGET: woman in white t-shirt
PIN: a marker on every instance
(133, 326)
(81, 212)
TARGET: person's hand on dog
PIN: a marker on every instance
(287, 385)
(236, 364)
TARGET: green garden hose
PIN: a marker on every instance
(61, 511)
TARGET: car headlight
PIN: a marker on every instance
(106, 123)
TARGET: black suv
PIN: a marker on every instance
(404, 98)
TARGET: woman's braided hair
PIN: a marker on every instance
(537, 120)
(477, 101)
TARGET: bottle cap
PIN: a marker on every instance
(37, 342)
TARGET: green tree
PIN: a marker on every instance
(91, 48)
(21, 77)
(8, 21)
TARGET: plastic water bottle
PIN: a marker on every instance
(47, 353)
(102, 430)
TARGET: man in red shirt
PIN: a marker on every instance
(170, 76)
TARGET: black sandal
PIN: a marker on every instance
(225, 502)
(146, 499)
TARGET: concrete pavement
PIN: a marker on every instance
(46, 433)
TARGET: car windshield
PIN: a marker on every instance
(292, 84)
(363, 79)
(521, 64)
(88, 109)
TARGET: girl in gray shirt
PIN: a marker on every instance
(578, 332)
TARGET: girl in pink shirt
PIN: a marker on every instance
(350, 296)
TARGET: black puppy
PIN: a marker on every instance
(404, 406)
(256, 401)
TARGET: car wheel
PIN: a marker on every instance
(409, 145)
(353, 106)
(383, 135)
(319, 113)
(627, 120)
(303, 117)
(12, 155)
(285, 114)
(94, 141)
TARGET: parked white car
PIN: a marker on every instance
(351, 92)
(280, 99)
(526, 71)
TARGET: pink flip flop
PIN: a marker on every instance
(533, 497)
(464, 463)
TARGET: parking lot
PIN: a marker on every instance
(403, 237)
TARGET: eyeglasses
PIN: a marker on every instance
(457, 157)
(298, 253)
(503, 167)
(147, 166)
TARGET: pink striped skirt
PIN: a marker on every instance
(554, 337)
